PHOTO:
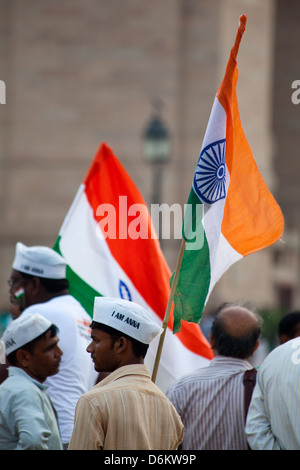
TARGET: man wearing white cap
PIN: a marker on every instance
(27, 418)
(38, 283)
(126, 410)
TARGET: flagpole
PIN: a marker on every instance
(168, 309)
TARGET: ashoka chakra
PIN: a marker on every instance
(210, 175)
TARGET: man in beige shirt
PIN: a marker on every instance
(126, 410)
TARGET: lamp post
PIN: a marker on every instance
(156, 152)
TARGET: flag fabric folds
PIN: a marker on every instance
(111, 249)
(239, 215)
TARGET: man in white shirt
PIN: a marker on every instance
(273, 419)
(38, 283)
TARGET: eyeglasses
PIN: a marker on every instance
(12, 282)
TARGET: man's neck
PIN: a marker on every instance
(46, 296)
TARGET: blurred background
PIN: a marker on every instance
(78, 73)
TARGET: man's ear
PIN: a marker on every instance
(256, 346)
(33, 285)
(121, 344)
(212, 341)
(23, 358)
(35, 292)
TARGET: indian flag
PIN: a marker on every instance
(111, 249)
(239, 215)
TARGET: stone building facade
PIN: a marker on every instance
(80, 73)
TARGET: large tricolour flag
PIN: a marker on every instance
(111, 249)
(239, 215)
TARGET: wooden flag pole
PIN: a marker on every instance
(168, 310)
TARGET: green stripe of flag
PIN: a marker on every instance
(78, 288)
(194, 276)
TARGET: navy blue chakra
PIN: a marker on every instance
(210, 175)
(124, 291)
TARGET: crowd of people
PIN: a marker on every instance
(76, 383)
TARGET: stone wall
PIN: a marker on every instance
(79, 73)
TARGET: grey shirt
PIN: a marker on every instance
(27, 418)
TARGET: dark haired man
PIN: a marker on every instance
(27, 417)
(126, 410)
(38, 283)
(289, 327)
(211, 401)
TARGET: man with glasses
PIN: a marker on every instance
(38, 283)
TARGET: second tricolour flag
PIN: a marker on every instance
(239, 214)
(110, 245)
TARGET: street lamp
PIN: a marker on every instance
(157, 152)
(156, 142)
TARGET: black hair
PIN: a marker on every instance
(51, 285)
(139, 349)
(288, 323)
(240, 347)
(12, 357)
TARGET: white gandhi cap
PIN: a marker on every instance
(23, 330)
(39, 261)
(127, 317)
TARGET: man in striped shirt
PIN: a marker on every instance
(211, 401)
(126, 410)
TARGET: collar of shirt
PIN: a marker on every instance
(18, 372)
(237, 365)
(132, 369)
